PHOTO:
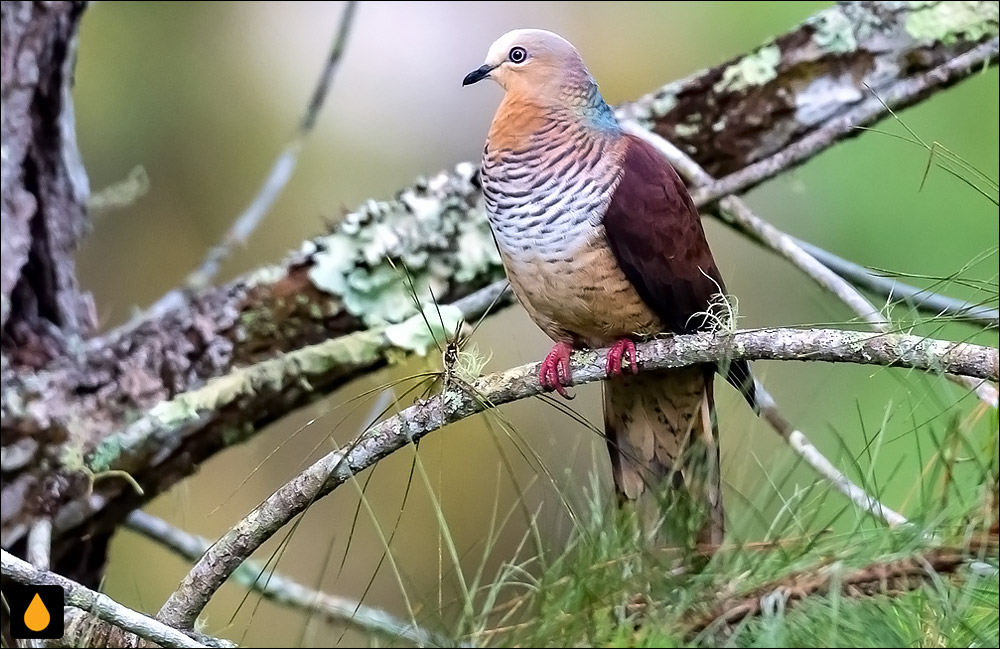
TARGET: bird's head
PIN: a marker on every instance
(533, 63)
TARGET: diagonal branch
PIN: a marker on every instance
(280, 174)
(99, 604)
(410, 425)
(283, 590)
(896, 96)
(737, 214)
(804, 448)
(893, 290)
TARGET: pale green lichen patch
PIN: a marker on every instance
(355, 349)
(470, 362)
(433, 235)
(950, 22)
(686, 130)
(833, 31)
(265, 276)
(664, 102)
(646, 110)
(302, 366)
(420, 332)
(752, 70)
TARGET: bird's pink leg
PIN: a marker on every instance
(623, 349)
(554, 373)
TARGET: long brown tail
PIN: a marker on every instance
(664, 446)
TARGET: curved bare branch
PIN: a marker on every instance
(830, 345)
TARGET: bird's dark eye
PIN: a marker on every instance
(517, 55)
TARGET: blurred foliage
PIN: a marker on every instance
(829, 589)
(201, 96)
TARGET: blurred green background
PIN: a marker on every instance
(203, 96)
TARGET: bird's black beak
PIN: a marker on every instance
(477, 75)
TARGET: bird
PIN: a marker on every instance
(602, 245)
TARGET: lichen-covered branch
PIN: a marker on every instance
(897, 96)
(229, 408)
(743, 112)
(461, 401)
(769, 100)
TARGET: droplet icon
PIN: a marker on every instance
(36, 617)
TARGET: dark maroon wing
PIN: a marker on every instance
(656, 235)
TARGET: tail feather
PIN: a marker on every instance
(663, 442)
(740, 377)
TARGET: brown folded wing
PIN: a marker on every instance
(657, 237)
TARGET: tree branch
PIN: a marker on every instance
(896, 96)
(410, 425)
(887, 577)
(737, 214)
(99, 604)
(893, 290)
(282, 590)
(795, 91)
(274, 184)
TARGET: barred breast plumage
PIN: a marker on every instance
(546, 192)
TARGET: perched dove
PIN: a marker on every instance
(602, 245)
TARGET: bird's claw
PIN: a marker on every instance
(555, 372)
(623, 349)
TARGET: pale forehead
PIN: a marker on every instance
(529, 39)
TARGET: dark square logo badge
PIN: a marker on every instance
(35, 611)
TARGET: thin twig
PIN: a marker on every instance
(291, 499)
(805, 449)
(283, 590)
(39, 554)
(277, 179)
(479, 303)
(40, 544)
(894, 290)
(890, 577)
(899, 95)
(736, 213)
(96, 603)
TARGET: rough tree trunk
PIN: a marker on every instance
(44, 194)
(74, 407)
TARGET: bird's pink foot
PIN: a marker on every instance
(623, 349)
(555, 373)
